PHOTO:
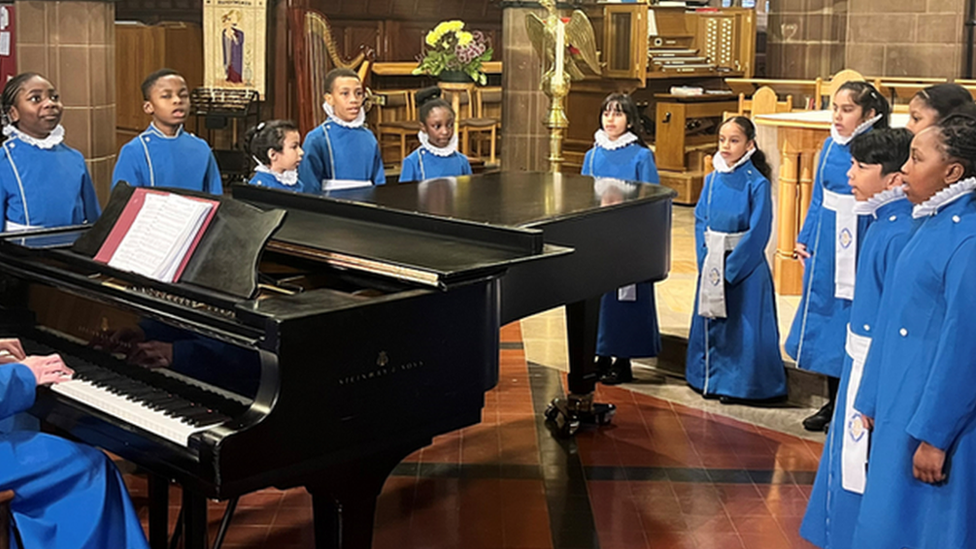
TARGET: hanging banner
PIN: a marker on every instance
(234, 48)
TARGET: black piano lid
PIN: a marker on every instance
(414, 246)
(510, 199)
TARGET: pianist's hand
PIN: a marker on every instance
(11, 351)
(48, 369)
(152, 354)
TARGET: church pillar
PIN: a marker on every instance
(525, 139)
(72, 44)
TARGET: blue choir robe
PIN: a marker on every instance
(265, 179)
(832, 510)
(153, 159)
(68, 495)
(819, 330)
(422, 164)
(45, 187)
(918, 386)
(337, 152)
(627, 328)
(737, 356)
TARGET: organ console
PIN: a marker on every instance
(323, 356)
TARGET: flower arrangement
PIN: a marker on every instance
(451, 48)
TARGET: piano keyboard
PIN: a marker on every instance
(172, 424)
(150, 402)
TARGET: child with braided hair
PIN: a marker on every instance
(920, 369)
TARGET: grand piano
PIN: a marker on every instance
(356, 333)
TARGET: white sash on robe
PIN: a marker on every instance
(10, 226)
(845, 242)
(854, 450)
(711, 286)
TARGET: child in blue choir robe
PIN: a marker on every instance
(875, 178)
(628, 316)
(437, 155)
(931, 104)
(165, 155)
(67, 495)
(43, 182)
(276, 147)
(921, 368)
(827, 245)
(733, 348)
(341, 148)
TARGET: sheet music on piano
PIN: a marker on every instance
(156, 233)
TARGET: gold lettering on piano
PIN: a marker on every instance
(384, 369)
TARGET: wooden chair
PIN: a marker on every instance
(764, 101)
(800, 89)
(5, 498)
(403, 126)
(901, 89)
(485, 100)
(839, 79)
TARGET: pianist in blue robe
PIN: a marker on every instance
(836, 497)
(68, 495)
(44, 183)
(341, 149)
(628, 317)
(733, 347)
(920, 371)
(154, 159)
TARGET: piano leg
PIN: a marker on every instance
(194, 520)
(344, 503)
(158, 511)
(582, 322)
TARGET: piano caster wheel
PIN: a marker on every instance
(603, 413)
(552, 412)
(566, 426)
(567, 414)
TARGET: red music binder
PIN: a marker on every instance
(131, 212)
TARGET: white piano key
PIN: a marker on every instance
(171, 428)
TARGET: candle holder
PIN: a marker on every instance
(551, 38)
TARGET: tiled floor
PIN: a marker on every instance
(662, 476)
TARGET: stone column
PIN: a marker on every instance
(525, 139)
(73, 45)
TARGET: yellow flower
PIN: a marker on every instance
(464, 38)
(454, 25)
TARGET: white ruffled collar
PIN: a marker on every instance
(718, 161)
(946, 196)
(357, 123)
(52, 140)
(160, 133)
(287, 177)
(604, 142)
(865, 126)
(871, 205)
(450, 149)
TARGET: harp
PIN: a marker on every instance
(315, 54)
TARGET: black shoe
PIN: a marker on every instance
(619, 373)
(820, 421)
(603, 364)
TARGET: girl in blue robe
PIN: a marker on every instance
(836, 497)
(437, 155)
(921, 368)
(67, 495)
(43, 182)
(165, 155)
(628, 317)
(827, 245)
(276, 147)
(733, 348)
(341, 148)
